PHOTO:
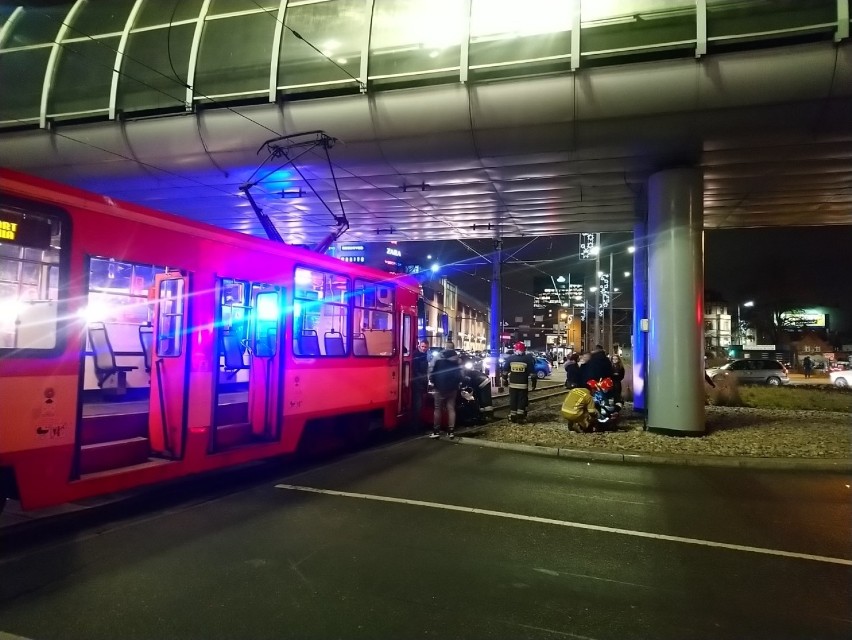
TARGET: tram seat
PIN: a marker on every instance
(307, 344)
(146, 339)
(379, 342)
(334, 344)
(112, 378)
(232, 350)
(359, 345)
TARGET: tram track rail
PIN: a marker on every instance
(541, 392)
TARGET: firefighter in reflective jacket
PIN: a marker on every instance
(519, 368)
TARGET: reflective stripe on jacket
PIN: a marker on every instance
(519, 368)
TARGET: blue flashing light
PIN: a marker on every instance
(267, 306)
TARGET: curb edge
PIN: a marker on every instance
(835, 465)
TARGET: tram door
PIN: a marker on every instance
(406, 351)
(169, 365)
(265, 393)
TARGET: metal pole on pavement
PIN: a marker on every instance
(739, 326)
(496, 310)
(609, 344)
(597, 293)
(587, 318)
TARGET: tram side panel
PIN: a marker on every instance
(40, 437)
(39, 345)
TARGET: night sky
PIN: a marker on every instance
(807, 266)
(788, 267)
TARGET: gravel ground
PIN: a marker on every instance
(731, 431)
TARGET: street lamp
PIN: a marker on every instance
(750, 303)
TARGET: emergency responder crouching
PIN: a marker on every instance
(519, 368)
(579, 410)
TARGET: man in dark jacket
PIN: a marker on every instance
(519, 368)
(446, 377)
(597, 367)
(420, 381)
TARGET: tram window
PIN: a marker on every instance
(170, 318)
(235, 308)
(407, 337)
(118, 294)
(118, 297)
(372, 315)
(320, 314)
(266, 324)
(33, 250)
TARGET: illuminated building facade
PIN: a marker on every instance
(386, 256)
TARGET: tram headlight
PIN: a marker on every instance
(267, 306)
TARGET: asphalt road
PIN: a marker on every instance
(423, 538)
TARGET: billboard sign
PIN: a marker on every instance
(806, 318)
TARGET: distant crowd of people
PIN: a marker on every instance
(594, 365)
(581, 369)
(468, 391)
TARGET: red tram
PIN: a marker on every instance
(138, 347)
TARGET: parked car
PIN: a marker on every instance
(752, 371)
(542, 368)
(842, 379)
(471, 361)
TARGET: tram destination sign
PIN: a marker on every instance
(27, 231)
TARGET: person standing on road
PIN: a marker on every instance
(519, 368)
(807, 366)
(617, 377)
(420, 381)
(572, 371)
(446, 377)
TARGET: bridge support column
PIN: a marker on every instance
(675, 374)
(640, 304)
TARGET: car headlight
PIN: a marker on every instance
(468, 365)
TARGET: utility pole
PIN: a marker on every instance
(496, 311)
(609, 344)
(586, 318)
(597, 339)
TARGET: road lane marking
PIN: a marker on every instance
(568, 523)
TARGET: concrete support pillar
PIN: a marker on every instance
(675, 376)
(640, 306)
